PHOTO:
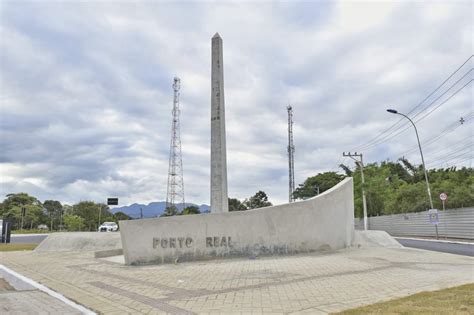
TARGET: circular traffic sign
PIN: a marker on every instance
(443, 196)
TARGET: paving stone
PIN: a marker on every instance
(312, 283)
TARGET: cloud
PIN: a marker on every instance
(86, 91)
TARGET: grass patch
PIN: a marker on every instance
(457, 300)
(15, 247)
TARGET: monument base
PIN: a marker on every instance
(320, 223)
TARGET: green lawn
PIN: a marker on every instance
(14, 247)
(457, 300)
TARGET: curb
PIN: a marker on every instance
(431, 240)
(48, 291)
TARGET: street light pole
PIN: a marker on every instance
(393, 111)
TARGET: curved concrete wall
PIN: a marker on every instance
(320, 223)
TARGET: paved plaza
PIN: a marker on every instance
(17, 297)
(312, 283)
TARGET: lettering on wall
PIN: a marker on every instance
(173, 242)
(217, 241)
(188, 242)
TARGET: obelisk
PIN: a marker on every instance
(219, 201)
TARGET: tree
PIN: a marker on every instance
(346, 170)
(190, 210)
(170, 211)
(398, 187)
(67, 209)
(259, 200)
(89, 211)
(322, 181)
(54, 211)
(120, 216)
(13, 207)
(236, 205)
(74, 222)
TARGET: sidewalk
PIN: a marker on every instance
(19, 295)
(316, 283)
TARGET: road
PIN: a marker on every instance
(464, 249)
(27, 238)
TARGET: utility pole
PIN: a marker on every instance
(175, 191)
(291, 152)
(354, 156)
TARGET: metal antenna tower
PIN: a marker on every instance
(291, 153)
(175, 193)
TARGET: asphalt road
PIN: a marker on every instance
(27, 238)
(445, 247)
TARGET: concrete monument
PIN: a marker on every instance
(219, 202)
(320, 223)
(323, 222)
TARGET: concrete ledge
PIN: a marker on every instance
(320, 223)
(108, 253)
(79, 241)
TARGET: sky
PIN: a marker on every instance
(86, 92)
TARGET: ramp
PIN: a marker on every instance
(80, 241)
(374, 239)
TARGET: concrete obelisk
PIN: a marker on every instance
(219, 202)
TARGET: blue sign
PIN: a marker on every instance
(433, 214)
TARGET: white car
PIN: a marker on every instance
(108, 227)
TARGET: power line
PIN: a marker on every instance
(340, 161)
(463, 160)
(451, 159)
(423, 117)
(449, 155)
(418, 105)
(393, 134)
(452, 147)
(450, 128)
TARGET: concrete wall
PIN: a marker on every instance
(320, 223)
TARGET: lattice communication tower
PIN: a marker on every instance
(175, 192)
(291, 153)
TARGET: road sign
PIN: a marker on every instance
(112, 201)
(443, 196)
(433, 214)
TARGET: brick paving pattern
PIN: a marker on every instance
(30, 301)
(316, 283)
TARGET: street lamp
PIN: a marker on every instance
(393, 111)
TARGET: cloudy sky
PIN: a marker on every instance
(86, 92)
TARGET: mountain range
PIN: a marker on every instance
(153, 209)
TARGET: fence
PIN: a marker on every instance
(453, 223)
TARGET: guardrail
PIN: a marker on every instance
(453, 223)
